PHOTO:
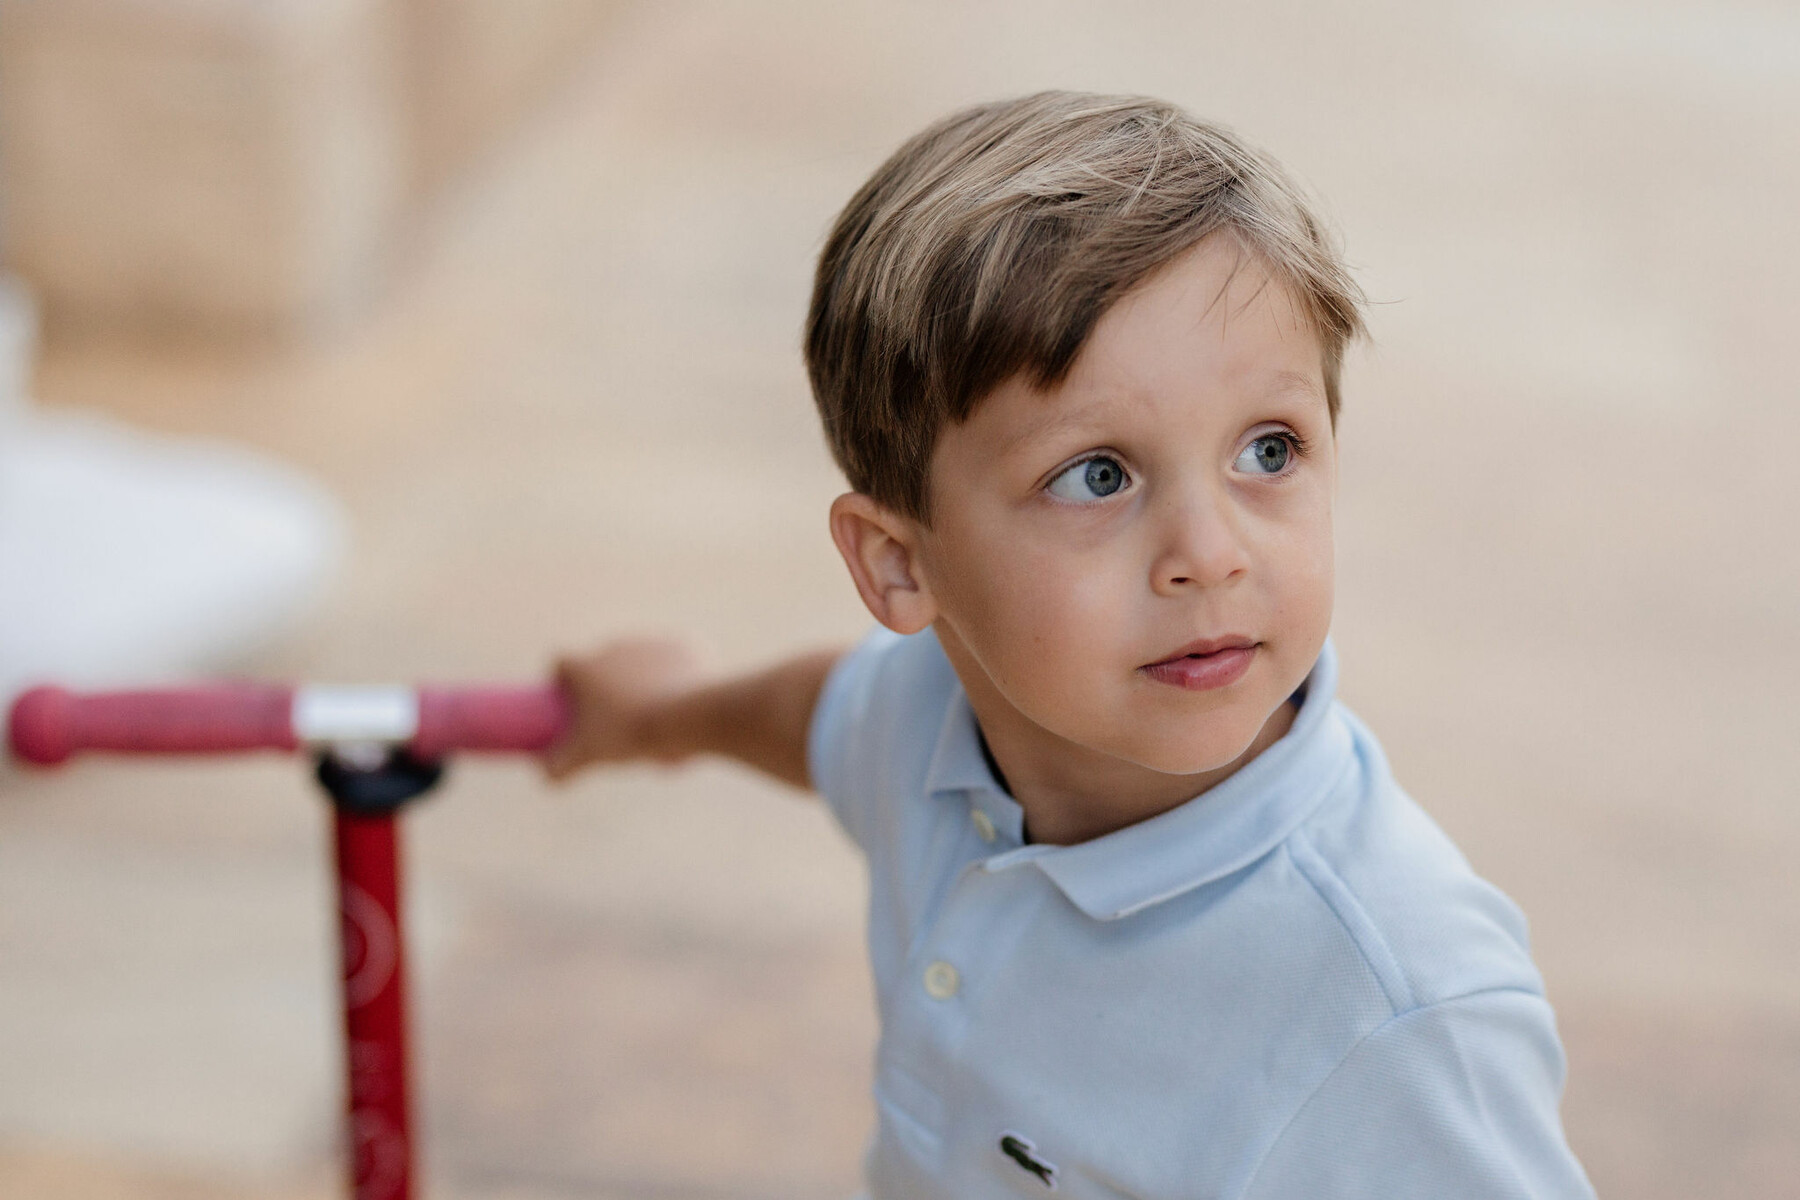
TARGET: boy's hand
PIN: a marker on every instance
(622, 701)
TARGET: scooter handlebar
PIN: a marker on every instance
(528, 719)
(48, 724)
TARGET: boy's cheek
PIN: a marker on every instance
(1295, 566)
(1010, 587)
(1039, 638)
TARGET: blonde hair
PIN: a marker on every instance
(990, 244)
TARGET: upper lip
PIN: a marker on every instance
(1230, 641)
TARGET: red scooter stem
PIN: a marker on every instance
(366, 799)
(380, 1126)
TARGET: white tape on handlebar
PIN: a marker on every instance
(388, 715)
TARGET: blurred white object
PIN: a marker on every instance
(126, 556)
(18, 344)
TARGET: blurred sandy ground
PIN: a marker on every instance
(1569, 574)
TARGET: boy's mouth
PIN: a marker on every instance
(1204, 665)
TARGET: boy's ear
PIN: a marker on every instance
(881, 549)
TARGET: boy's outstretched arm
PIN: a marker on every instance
(648, 699)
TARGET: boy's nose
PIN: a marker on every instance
(1200, 545)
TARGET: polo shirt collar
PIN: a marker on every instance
(958, 767)
(1216, 833)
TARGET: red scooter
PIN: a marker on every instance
(376, 748)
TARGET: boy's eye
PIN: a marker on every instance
(1090, 480)
(1267, 455)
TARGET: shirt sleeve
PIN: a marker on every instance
(837, 743)
(1458, 1098)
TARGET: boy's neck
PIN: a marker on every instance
(1070, 793)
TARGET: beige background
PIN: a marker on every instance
(1568, 577)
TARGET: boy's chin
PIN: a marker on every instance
(1183, 754)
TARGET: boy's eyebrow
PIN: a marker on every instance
(1300, 385)
(1067, 419)
(1297, 382)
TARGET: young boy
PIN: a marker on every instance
(1148, 916)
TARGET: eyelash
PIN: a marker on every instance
(1130, 476)
(1298, 444)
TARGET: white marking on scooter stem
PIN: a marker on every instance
(371, 945)
(324, 715)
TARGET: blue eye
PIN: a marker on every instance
(1267, 455)
(1093, 479)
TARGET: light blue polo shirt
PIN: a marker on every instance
(1291, 987)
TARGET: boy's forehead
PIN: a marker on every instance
(1018, 416)
(1213, 336)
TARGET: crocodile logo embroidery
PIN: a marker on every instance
(1023, 1151)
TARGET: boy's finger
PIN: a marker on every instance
(564, 671)
(559, 762)
(559, 759)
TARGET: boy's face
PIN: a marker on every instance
(1134, 568)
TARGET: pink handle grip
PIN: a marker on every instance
(528, 719)
(48, 724)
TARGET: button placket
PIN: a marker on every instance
(937, 1005)
(983, 915)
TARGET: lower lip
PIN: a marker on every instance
(1204, 672)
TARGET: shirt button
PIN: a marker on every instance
(984, 825)
(941, 980)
